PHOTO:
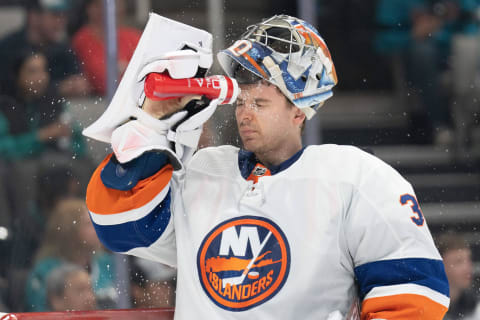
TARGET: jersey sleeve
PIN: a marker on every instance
(129, 206)
(399, 271)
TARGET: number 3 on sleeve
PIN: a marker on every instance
(418, 218)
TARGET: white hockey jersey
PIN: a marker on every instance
(329, 225)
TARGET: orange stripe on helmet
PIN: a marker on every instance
(308, 35)
(255, 64)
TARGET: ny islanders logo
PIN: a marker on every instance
(243, 262)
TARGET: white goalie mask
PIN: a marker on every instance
(289, 53)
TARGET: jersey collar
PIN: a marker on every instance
(247, 161)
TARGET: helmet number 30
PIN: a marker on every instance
(409, 199)
(240, 47)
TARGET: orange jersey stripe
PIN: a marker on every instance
(103, 200)
(402, 307)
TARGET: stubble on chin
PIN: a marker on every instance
(249, 144)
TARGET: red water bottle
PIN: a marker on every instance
(159, 86)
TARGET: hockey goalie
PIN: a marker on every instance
(271, 230)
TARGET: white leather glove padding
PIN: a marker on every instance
(135, 137)
(180, 64)
(187, 134)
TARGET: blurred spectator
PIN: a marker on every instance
(465, 74)
(35, 134)
(56, 184)
(45, 29)
(69, 289)
(89, 43)
(418, 34)
(152, 284)
(70, 237)
(457, 258)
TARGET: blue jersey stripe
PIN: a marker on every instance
(141, 233)
(125, 176)
(426, 272)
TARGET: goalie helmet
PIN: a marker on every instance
(287, 52)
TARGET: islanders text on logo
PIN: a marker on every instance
(243, 262)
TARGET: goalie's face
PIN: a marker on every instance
(268, 124)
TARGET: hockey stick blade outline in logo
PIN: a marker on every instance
(243, 262)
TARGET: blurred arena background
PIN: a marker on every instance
(428, 129)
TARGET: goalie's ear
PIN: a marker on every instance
(160, 37)
(299, 116)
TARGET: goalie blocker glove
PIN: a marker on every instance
(177, 135)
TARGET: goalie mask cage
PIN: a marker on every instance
(125, 314)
